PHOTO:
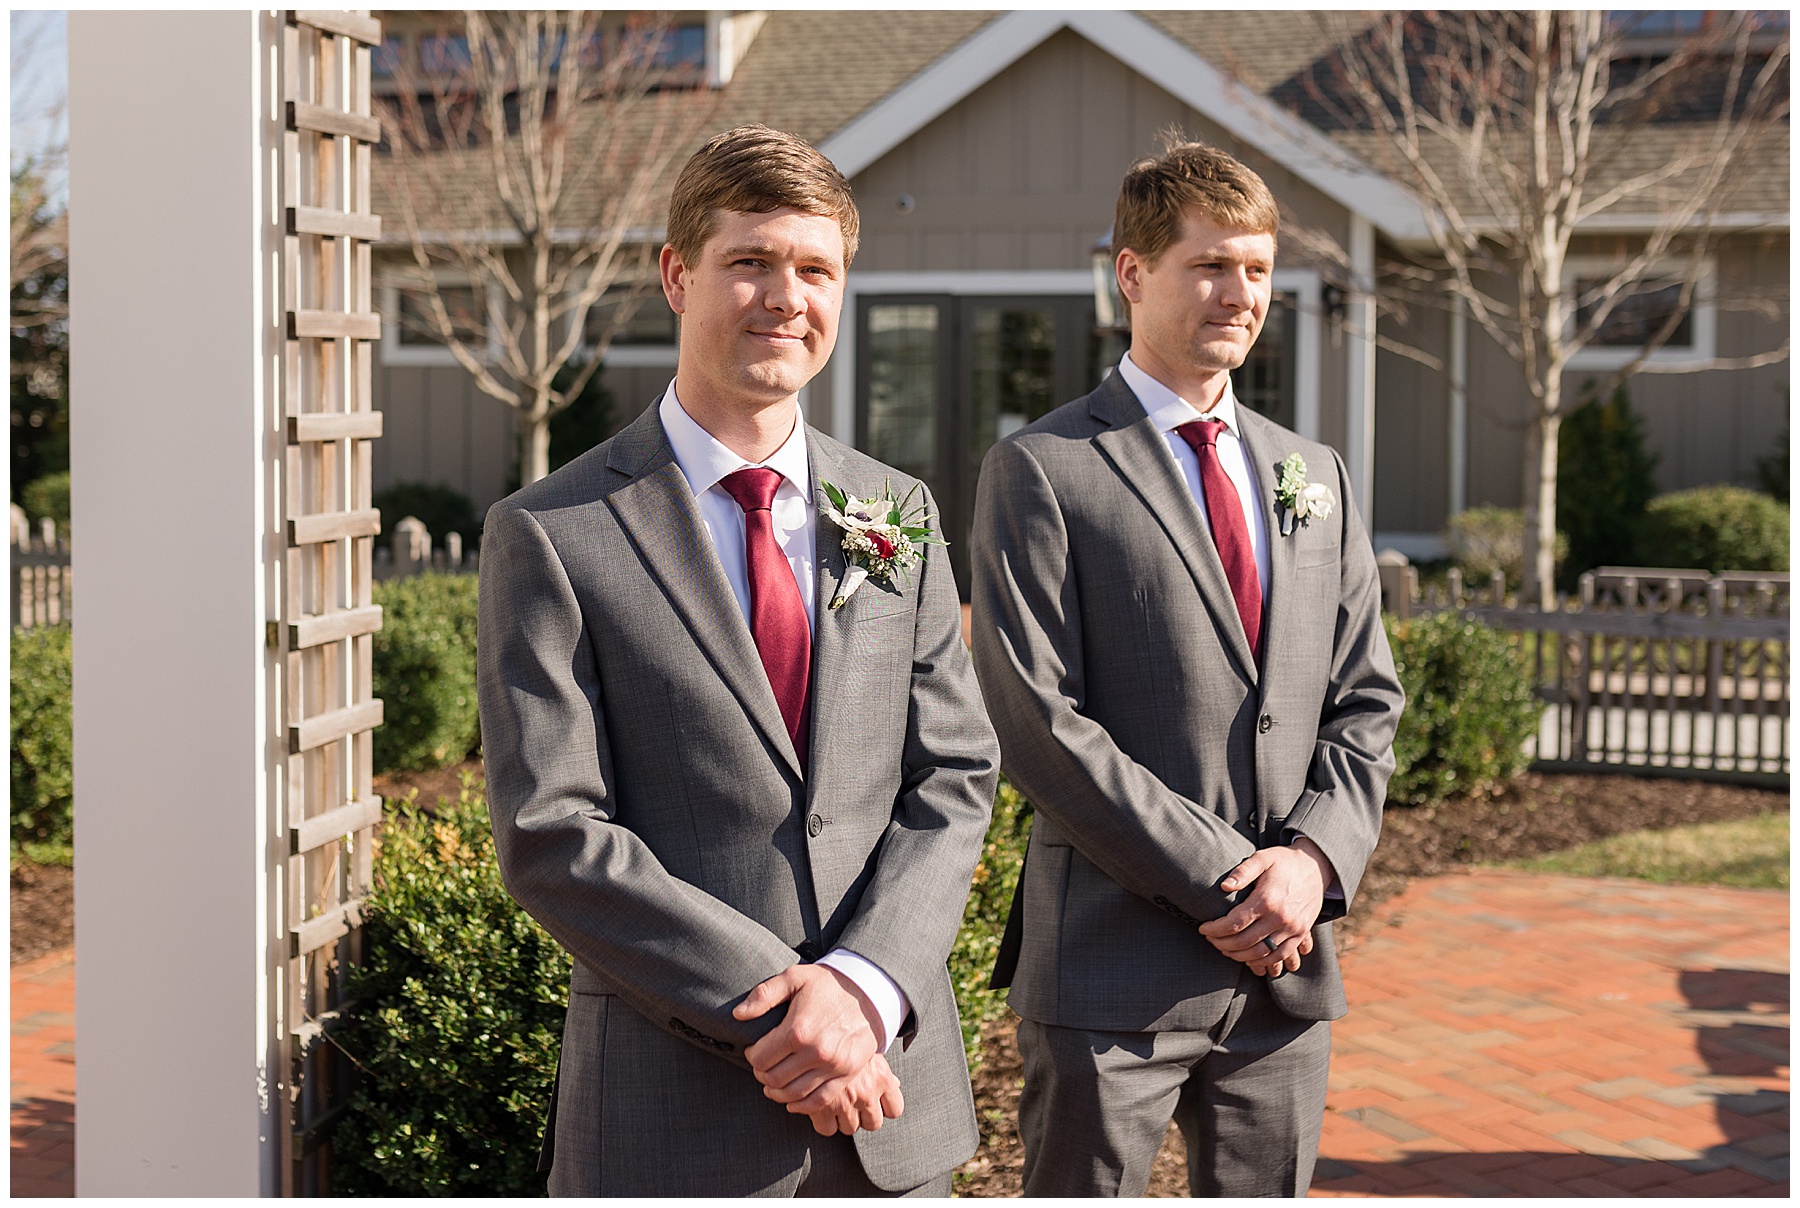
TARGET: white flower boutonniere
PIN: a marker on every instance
(1301, 498)
(882, 535)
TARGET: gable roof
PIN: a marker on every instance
(1161, 58)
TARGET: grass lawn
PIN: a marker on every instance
(1748, 853)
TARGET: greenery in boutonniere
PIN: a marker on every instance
(882, 534)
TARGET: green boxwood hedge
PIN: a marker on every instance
(1717, 528)
(43, 764)
(1470, 706)
(425, 672)
(461, 1019)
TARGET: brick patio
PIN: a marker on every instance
(43, 1075)
(1510, 1034)
(1515, 1034)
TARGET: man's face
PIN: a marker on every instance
(759, 307)
(1201, 306)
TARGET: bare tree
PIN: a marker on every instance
(533, 167)
(1514, 129)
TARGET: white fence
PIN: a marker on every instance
(41, 582)
(1645, 668)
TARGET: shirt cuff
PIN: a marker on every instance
(889, 1000)
(1333, 892)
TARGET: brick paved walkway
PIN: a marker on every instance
(1510, 1034)
(1516, 1034)
(43, 1075)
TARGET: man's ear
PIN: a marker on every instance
(674, 278)
(1129, 269)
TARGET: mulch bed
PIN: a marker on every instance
(1534, 815)
(43, 909)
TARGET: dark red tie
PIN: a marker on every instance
(777, 613)
(1225, 516)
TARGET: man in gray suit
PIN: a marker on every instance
(1177, 631)
(751, 817)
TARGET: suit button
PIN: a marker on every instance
(808, 951)
(1266, 724)
(814, 825)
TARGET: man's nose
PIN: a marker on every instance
(1235, 291)
(784, 295)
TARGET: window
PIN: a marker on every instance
(1637, 317)
(384, 60)
(1640, 312)
(417, 330)
(651, 325)
(443, 55)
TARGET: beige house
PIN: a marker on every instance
(986, 151)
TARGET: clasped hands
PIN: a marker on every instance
(1288, 892)
(821, 1059)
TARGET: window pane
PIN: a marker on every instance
(439, 55)
(902, 427)
(1635, 319)
(384, 60)
(416, 326)
(652, 324)
(1264, 382)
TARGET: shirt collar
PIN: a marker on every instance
(1168, 410)
(704, 461)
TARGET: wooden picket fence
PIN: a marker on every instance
(1645, 669)
(42, 586)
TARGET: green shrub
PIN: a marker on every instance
(1604, 479)
(984, 918)
(43, 765)
(461, 1019)
(1483, 540)
(442, 509)
(425, 672)
(1718, 528)
(49, 496)
(1469, 708)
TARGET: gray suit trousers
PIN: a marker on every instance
(1248, 1093)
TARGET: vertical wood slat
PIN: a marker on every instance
(329, 419)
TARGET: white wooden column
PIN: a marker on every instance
(1359, 428)
(174, 230)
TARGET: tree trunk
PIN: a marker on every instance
(534, 447)
(1541, 443)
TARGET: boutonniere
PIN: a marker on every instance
(882, 535)
(1301, 498)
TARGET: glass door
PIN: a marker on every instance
(941, 378)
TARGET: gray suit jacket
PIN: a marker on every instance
(649, 810)
(1132, 715)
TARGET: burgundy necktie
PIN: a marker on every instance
(1225, 516)
(777, 613)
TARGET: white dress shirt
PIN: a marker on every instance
(704, 461)
(1169, 411)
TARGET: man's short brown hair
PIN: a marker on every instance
(1159, 191)
(753, 170)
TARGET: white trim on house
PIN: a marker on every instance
(641, 356)
(1159, 58)
(1703, 313)
(1303, 283)
(1359, 403)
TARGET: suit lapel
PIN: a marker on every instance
(658, 511)
(1283, 609)
(1137, 450)
(831, 627)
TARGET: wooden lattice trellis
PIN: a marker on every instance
(327, 614)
